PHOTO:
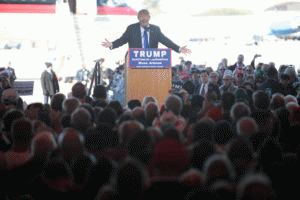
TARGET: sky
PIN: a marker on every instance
(198, 6)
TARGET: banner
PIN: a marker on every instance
(24, 88)
(149, 58)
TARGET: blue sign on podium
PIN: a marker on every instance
(150, 58)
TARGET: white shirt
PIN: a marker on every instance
(204, 87)
(142, 35)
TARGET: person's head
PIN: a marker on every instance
(246, 127)
(250, 79)
(9, 117)
(218, 167)
(204, 76)
(49, 66)
(209, 70)
(240, 58)
(130, 180)
(225, 61)
(81, 120)
(241, 95)
(202, 130)
(100, 92)
(83, 66)
(195, 77)
(107, 116)
(261, 100)
(277, 101)
(255, 186)
(9, 98)
(140, 114)
(248, 69)
(57, 101)
(42, 145)
(116, 105)
(174, 104)
(214, 77)
(223, 132)
(272, 73)
(239, 77)
(32, 110)
(221, 68)
(265, 67)
(149, 99)
(71, 144)
(227, 80)
(290, 98)
(285, 79)
(248, 86)
(240, 153)
(239, 110)
(127, 130)
(188, 65)
(79, 91)
(22, 131)
(134, 103)
(292, 73)
(228, 100)
(151, 111)
(144, 17)
(70, 104)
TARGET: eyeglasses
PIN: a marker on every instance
(213, 77)
(222, 69)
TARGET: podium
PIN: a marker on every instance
(148, 72)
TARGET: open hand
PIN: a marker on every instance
(185, 50)
(107, 43)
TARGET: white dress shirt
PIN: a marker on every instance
(142, 35)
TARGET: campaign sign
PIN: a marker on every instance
(24, 88)
(149, 58)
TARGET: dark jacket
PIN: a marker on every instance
(12, 75)
(132, 36)
(274, 85)
(211, 87)
(49, 83)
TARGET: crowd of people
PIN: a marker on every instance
(230, 133)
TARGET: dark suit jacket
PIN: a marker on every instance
(132, 36)
(49, 83)
(274, 85)
(232, 67)
(211, 87)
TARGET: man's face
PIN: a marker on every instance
(204, 77)
(195, 77)
(9, 64)
(214, 78)
(227, 80)
(144, 19)
(248, 70)
(240, 59)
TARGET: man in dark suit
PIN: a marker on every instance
(144, 35)
(12, 74)
(49, 83)
(206, 86)
(238, 64)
